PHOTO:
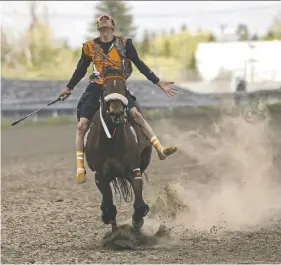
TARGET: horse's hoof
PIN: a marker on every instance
(81, 177)
(113, 225)
(105, 221)
(137, 225)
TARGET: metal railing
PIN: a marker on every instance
(20, 97)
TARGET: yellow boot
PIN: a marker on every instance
(81, 176)
(163, 153)
(81, 172)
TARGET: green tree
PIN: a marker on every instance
(242, 32)
(144, 46)
(255, 37)
(183, 27)
(274, 32)
(38, 45)
(211, 38)
(38, 51)
(9, 56)
(5, 46)
(121, 13)
(193, 62)
(167, 48)
(269, 36)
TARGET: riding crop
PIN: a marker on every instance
(18, 121)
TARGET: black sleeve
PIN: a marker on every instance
(80, 71)
(142, 67)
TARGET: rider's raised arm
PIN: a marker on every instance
(142, 67)
(80, 70)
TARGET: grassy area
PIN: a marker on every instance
(152, 114)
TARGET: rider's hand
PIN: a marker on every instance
(165, 86)
(65, 93)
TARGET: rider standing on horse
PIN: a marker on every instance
(105, 52)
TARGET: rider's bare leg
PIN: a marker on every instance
(149, 133)
(80, 133)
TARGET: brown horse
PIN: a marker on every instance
(118, 152)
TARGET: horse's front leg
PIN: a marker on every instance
(108, 208)
(141, 209)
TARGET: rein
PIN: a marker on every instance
(114, 132)
(104, 124)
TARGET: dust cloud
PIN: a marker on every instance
(233, 182)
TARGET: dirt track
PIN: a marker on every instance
(47, 218)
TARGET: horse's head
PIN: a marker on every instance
(114, 87)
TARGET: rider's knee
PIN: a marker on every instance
(136, 115)
(82, 125)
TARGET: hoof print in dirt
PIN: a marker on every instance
(121, 239)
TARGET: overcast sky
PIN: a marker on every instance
(70, 19)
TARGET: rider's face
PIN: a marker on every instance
(105, 24)
(106, 30)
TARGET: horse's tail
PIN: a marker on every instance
(123, 188)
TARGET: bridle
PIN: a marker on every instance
(115, 96)
(104, 106)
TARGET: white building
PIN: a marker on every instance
(255, 61)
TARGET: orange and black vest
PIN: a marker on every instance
(115, 58)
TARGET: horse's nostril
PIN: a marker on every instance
(115, 113)
(116, 116)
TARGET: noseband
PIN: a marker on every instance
(116, 96)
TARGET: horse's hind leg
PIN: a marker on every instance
(141, 209)
(108, 208)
